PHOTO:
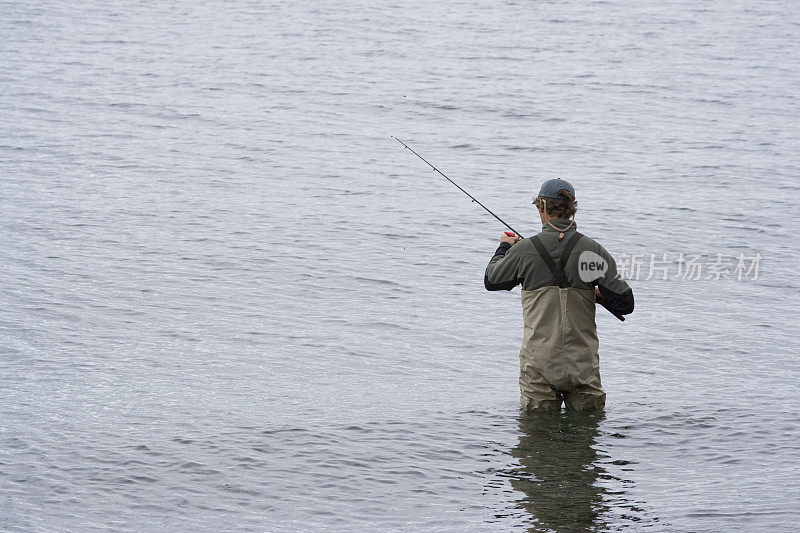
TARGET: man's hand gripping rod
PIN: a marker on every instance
(459, 187)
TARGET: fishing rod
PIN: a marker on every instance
(459, 187)
(601, 302)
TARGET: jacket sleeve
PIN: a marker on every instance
(617, 293)
(502, 273)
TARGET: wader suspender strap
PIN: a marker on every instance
(558, 271)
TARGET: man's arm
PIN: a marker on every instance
(502, 273)
(617, 303)
(612, 289)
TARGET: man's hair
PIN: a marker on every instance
(563, 207)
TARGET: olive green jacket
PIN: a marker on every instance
(521, 263)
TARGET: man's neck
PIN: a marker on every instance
(548, 218)
(560, 224)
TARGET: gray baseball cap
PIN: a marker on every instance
(550, 188)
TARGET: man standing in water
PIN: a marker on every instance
(563, 274)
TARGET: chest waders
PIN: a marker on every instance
(558, 358)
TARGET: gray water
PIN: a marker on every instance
(231, 302)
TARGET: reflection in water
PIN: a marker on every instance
(558, 471)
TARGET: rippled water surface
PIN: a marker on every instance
(230, 301)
